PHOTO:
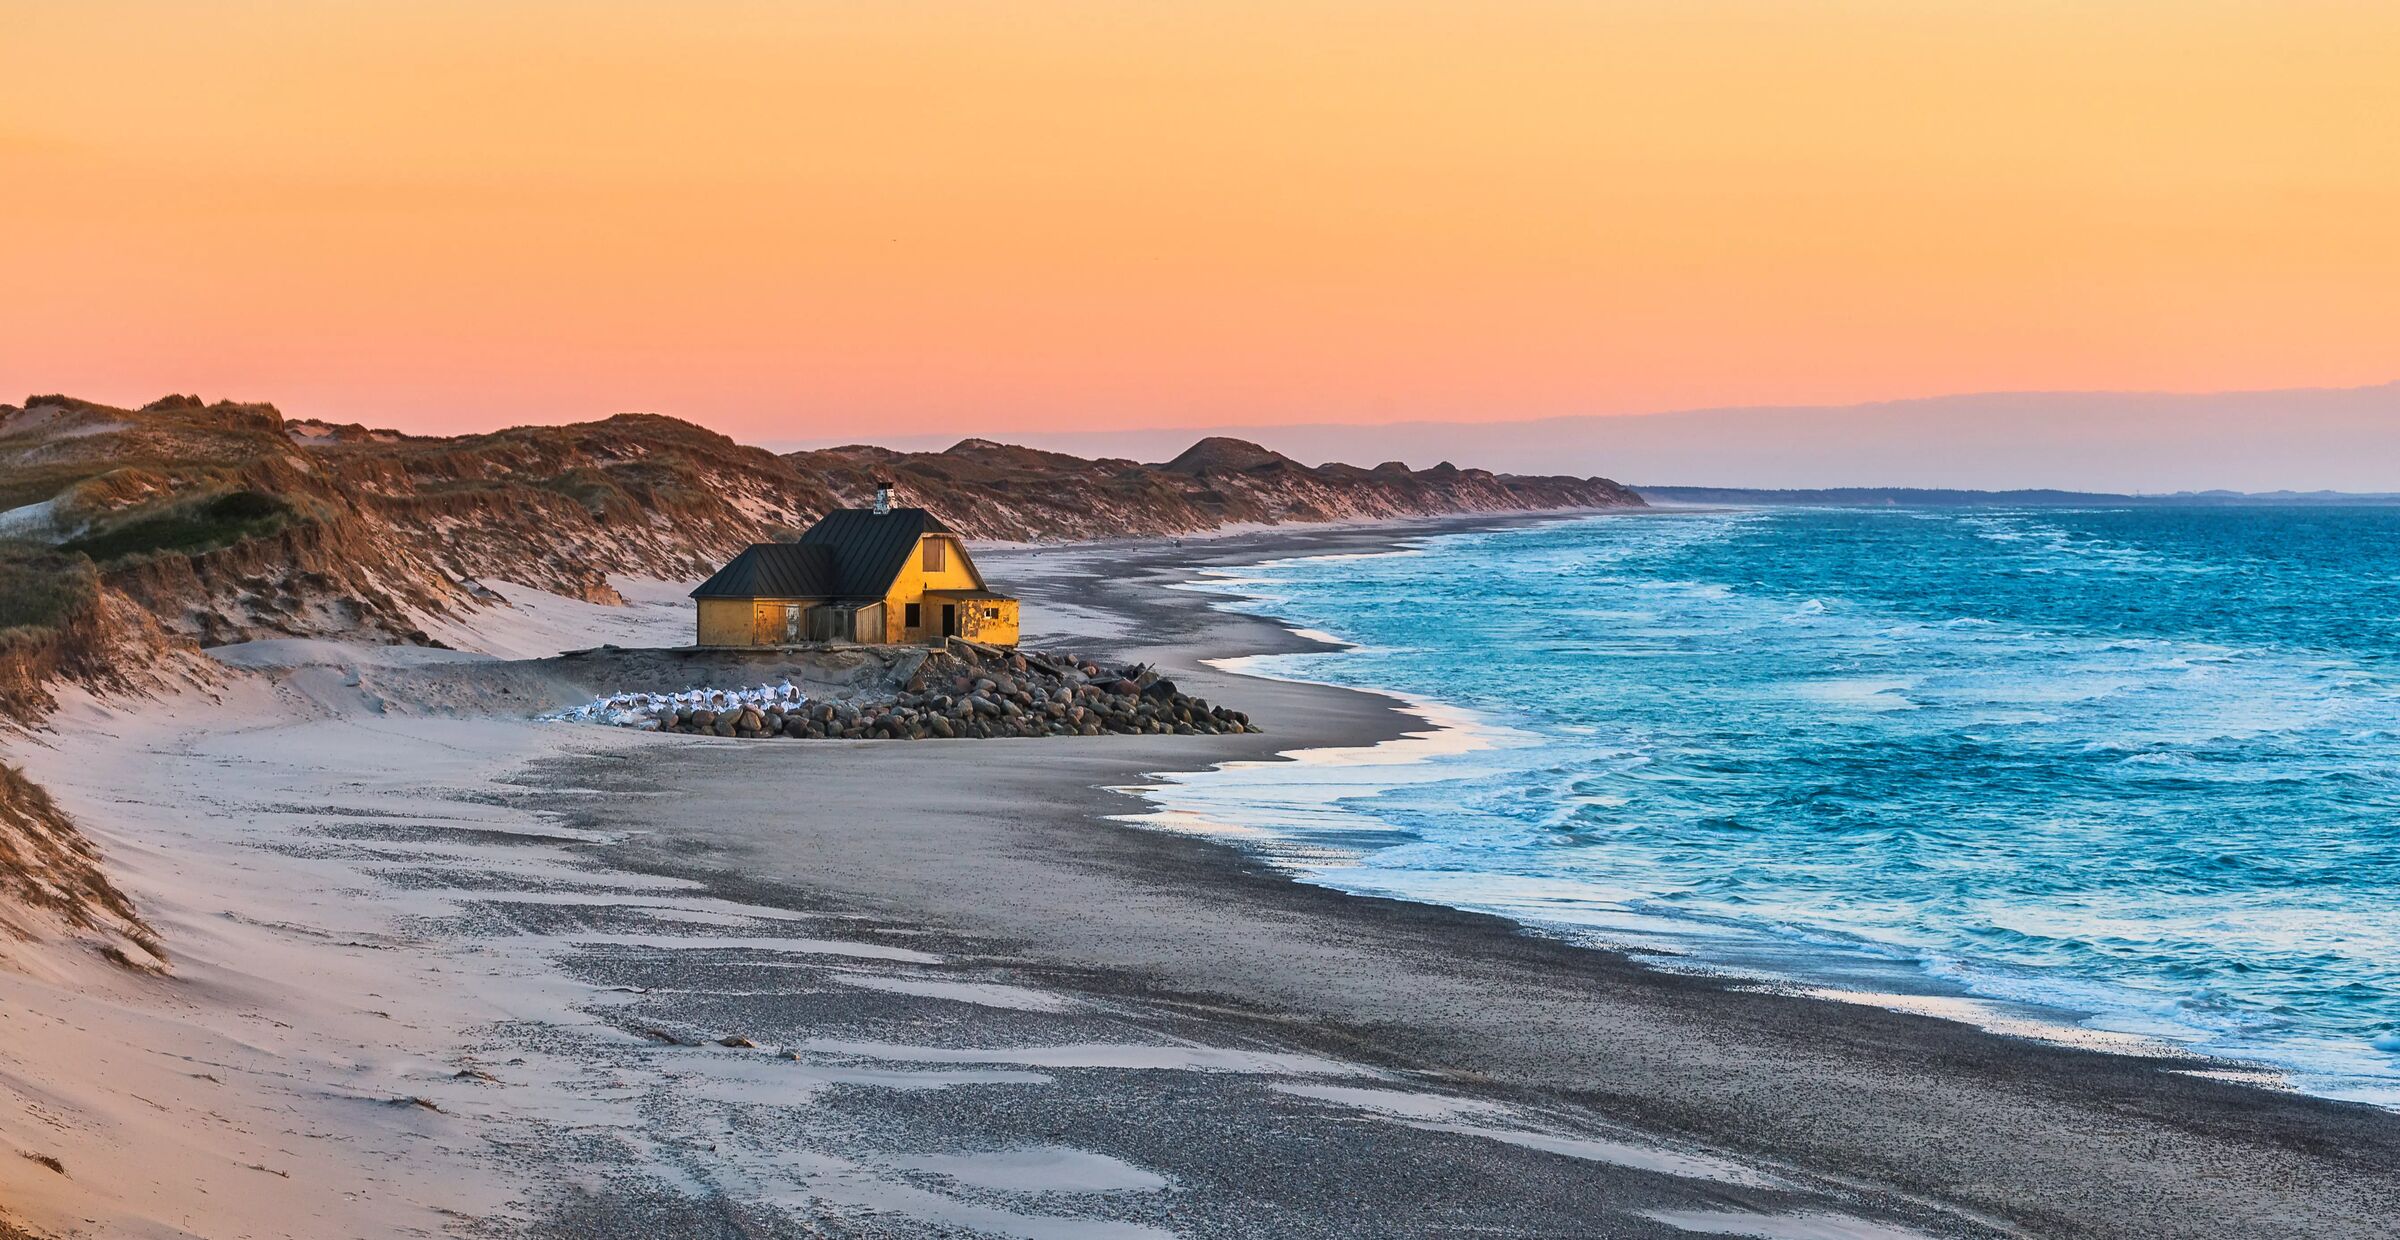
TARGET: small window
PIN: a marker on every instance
(913, 615)
(991, 613)
(937, 555)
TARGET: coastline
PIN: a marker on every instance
(1303, 825)
(2060, 1141)
(569, 980)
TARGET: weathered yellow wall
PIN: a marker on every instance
(745, 621)
(725, 622)
(766, 621)
(999, 630)
(992, 621)
(958, 573)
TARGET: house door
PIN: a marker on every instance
(792, 613)
(949, 619)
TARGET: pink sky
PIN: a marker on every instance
(801, 220)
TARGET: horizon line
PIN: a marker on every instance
(1222, 427)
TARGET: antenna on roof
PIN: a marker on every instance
(883, 498)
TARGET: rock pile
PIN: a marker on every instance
(971, 690)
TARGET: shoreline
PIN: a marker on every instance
(2006, 1105)
(562, 981)
(1840, 970)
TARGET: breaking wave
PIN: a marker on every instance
(2127, 770)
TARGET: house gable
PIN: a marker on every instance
(871, 549)
(955, 571)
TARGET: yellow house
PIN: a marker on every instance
(876, 575)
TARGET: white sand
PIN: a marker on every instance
(253, 1092)
(533, 623)
(1808, 1225)
(243, 1097)
(1491, 1121)
(314, 1065)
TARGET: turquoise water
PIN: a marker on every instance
(2134, 772)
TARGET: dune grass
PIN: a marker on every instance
(186, 529)
(42, 591)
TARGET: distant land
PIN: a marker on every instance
(129, 538)
(1936, 497)
(227, 522)
(2306, 439)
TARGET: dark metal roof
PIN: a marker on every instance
(870, 548)
(775, 570)
(852, 553)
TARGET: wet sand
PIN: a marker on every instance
(444, 970)
(1005, 851)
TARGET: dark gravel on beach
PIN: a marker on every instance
(999, 859)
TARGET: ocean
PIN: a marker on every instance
(2126, 778)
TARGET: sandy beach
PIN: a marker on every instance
(441, 969)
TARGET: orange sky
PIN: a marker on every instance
(803, 220)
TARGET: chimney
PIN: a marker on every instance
(883, 498)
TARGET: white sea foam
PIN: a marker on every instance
(1949, 799)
